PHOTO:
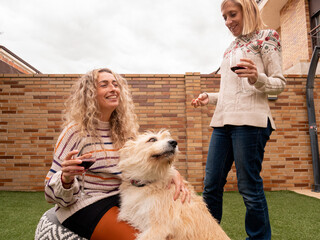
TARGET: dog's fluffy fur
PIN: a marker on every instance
(147, 201)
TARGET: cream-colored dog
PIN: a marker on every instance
(147, 202)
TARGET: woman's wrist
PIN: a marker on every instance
(252, 81)
(65, 182)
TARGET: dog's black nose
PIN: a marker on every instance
(173, 143)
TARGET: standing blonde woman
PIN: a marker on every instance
(99, 118)
(242, 119)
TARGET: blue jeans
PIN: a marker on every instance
(245, 146)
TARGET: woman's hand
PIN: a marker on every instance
(202, 100)
(180, 188)
(250, 70)
(70, 167)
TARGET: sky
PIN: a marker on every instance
(127, 36)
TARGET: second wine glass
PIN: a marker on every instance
(236, 55)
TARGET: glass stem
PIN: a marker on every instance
(82, 185)
(243, 88)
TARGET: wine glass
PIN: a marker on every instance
(235, 55)
(86, 163)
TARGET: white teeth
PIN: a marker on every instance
(111, 97)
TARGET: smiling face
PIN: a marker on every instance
(233, 16)
(108, 94)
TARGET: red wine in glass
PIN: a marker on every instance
(87, 163)
(236, 68)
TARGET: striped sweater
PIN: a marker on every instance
(102, 179)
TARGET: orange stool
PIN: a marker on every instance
(108, 228)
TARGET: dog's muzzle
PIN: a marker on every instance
(170, 150)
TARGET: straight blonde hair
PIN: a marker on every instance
(252, 20)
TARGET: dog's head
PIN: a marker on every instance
(148, 157)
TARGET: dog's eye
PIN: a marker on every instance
(152, 140)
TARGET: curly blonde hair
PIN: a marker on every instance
(252, 20)
(82, 108)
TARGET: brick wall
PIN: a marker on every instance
(295, 24)
(31, 106)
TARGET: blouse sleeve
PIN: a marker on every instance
(54, 190)
(272, 80)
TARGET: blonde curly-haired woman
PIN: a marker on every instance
(98, 119)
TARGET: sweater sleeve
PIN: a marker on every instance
(213, 97)
(272, 80)
(54, 190)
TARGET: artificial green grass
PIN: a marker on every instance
(293, 216)
(20, 213)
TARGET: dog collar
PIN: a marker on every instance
(138, 183)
